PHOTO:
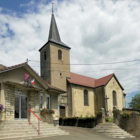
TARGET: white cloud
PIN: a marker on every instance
(96, 31)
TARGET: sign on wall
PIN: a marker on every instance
(26, 77)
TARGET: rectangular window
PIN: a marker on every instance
(44, 55)
(41, 101)
(48, 101)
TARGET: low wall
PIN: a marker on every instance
(130, 124)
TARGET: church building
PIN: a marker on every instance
(84, 95)
(67, 93)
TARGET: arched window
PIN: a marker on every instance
(114, 98)
(85, 97)
(59, 54)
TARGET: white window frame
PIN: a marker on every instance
(49, 100)
(41, 94)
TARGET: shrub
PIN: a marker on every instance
(1, 107)
(47, 111)
(88, 122)
(115, 111)
(111, 120)
(126, 115)
(107, 119)
(99, 114)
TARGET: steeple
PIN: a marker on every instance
(54, 36)
(54, 33)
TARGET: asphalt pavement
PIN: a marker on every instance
(79, 133)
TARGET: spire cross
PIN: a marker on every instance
(52, 7)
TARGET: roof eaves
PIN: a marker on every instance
(116, 80)
(57, 43)
(37, 75)
(80, 84)
(56, 89)
(12, 68)
(49, 86)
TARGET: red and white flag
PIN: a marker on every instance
(33, 81)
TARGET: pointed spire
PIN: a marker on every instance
(54, 33)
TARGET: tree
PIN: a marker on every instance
(135, 102)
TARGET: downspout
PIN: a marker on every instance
(71, 100)
(104, 103)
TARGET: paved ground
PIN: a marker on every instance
(78, 133)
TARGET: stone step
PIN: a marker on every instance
(108, 124)
(23, 123)
(31, 133)
(116, 129)
(19, 126)
(33, 136)
(21, 130)
(27, 128)
(132, 137)
(112, 130)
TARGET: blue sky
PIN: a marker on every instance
(96, 31)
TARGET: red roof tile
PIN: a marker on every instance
(12, 67)
(82, 80)
(2, 67)
(90, 82)
(103, 81)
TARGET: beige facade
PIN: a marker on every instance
(60, 69)
(109, 88)
(14, 86)
(53, 70)
(78, 108)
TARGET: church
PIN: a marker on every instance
(84, 95)
(68, 94)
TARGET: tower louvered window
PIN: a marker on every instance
(114, 98)
(44, 55)
(59, 54)
(86, 98)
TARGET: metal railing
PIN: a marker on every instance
(30, 111)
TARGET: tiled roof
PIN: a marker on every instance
(90, 82)
(2, 67)
(103, 81)
(26, 64)
(82, 80)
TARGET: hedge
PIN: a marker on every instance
(88, 122)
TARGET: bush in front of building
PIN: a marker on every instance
(125, 115)
(1, 107)
(47, 111)
(88, 122)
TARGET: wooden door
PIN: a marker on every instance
(62, 111)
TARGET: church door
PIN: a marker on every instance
(62, 111)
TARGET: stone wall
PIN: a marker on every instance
(113, 85)
(78, 107)
(131, 124)
(99, 99)
(33, 103)
(9, 102)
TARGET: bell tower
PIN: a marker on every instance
(55, 59)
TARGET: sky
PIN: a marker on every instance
(99, 32)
